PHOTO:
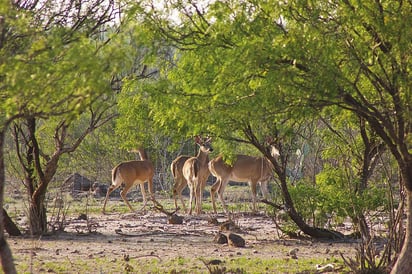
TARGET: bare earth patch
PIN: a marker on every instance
(146, 243)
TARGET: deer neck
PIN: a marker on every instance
(143, 154)
(203, 157)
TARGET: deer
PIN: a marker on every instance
(250, 169)
(195, 171)
(179, 180)
(129, 174)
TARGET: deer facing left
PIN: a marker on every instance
(131, 173)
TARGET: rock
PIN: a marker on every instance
(293, 253)
(77, 183)
(220, 238)
(236, 240)
(175, 219)
(214, 262)
(82, 216)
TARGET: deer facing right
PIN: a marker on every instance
(245, 168)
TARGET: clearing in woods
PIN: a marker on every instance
(146, 243)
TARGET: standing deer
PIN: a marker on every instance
(196, 172)
(249, 169)
(179, 180)
(131, 173)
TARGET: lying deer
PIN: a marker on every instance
(196, 171)
(249, 169)
(179, 180)
(131, 173)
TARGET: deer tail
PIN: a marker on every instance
(114, 174)
(174, 171)
(196, 169)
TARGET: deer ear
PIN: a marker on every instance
(208, 140)
(269, 140)
(198, 140)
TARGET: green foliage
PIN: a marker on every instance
(270, 66)
(134, 110)
(96, 156)
(307, 199)
(54, 71)
(336, 195)
(213, 89)
(259, 64)
(343, 198)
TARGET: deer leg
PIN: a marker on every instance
(199, 197)
(150, 188)
(192, 194)
(220, 192)
(175, 198)
(182, 201)
(264, 189)
(182, 186)
(110, 190)
(144, 195)
(123, 195)
(112, 187)
(253, 185)
(213, 190)
(197, 201)
(177, 191)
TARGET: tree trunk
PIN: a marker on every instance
(37, 216)
(37, 211)
(9, 225)
(404, 263)
(38, 176)
(6, 256)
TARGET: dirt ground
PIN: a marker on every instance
(146, 243)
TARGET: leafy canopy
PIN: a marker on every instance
(53, 70)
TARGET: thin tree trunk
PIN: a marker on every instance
(37, 180)
(6, 256)
(404, 263)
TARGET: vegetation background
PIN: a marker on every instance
(327, 83)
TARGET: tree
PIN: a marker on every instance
(253, 62)
(355, 181)
(45, 68)
(364, 64)
(40, 163)
(58, 64)
(353, 150)
(64, 56)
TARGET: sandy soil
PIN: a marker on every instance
(114, 243)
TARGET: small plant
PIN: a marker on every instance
(60, 209)
(366, 260)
